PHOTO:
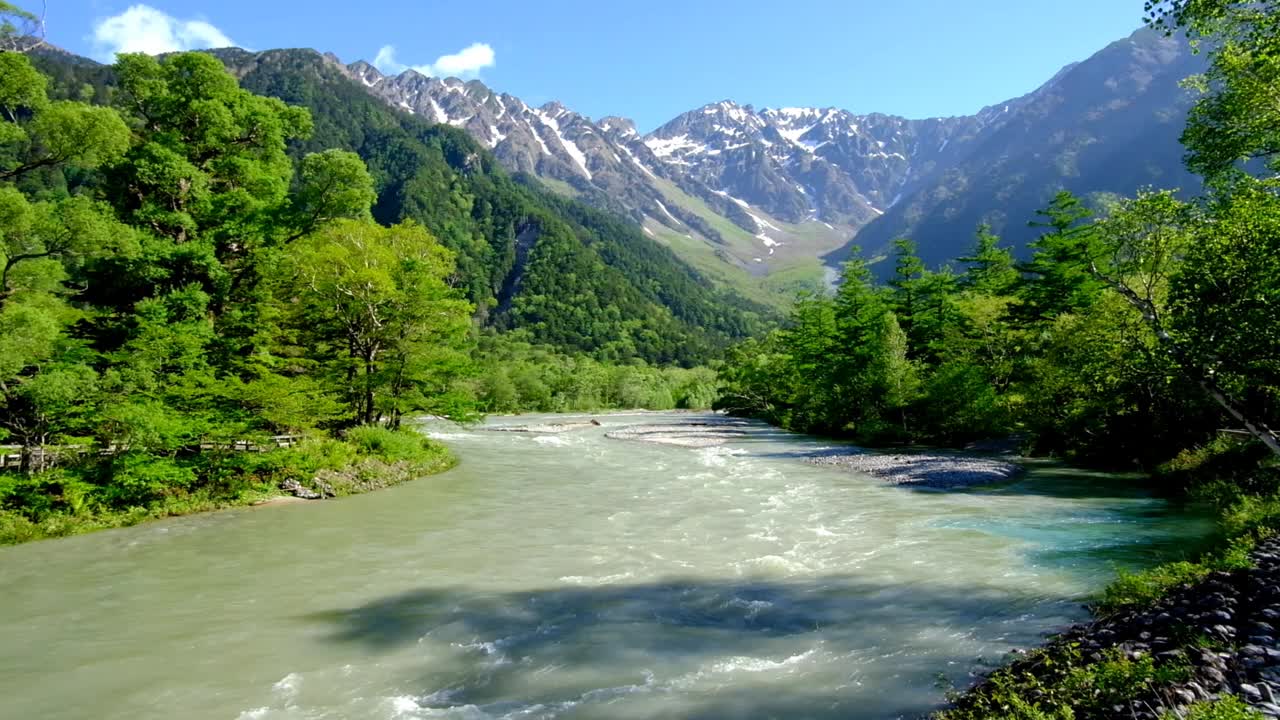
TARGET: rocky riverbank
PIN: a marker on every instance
(1215, 638)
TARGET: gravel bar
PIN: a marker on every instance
(928, 470)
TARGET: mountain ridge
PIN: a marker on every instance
(771, 190)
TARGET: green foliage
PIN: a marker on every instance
(1121, 342)
(138, 478)
(518, 377)
(1228, 707)
(391, 445)
(184, 294)
(1059, 683)
(1144, 588)
(380, 318)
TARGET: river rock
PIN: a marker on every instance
(299, 490)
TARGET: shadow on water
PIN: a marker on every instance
(565, 646)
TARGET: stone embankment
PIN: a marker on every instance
(1225, 628)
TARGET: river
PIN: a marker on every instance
(570, 576)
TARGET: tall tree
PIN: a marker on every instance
(1058, 276)
(377, 310)
(1237, 119)
(991, 268)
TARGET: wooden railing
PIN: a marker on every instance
(48, 456)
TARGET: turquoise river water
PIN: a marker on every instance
(571, 576)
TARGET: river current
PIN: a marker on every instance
(571, 576)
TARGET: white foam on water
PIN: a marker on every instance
(254, 713)
(287, 686)
(404, 706)
(440, 435)
(439, 697)
(770, 564)
(753, 607)
(718, 456)
(554, 440)
(744, 663)
(611, 693)
(603, 580)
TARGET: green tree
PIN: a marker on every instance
(1058, 277)
(379, 301)
(1237, 119)
(991, 268)
(1223, 300)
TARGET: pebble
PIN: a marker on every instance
(1223, 607)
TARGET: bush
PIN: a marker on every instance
(1229, 707)
(1117, 680)
(16, 528)
(394, 445)
(960, 405)
(1064, 684)
(1148, 586)
(1222, 470)
(136, 479)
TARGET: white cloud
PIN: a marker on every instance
(145, 29)
(467, 62)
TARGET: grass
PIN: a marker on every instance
(70, 501)
(1241, 484)
(796, 267)
(1063, 684)
(559, 186)
(1227, 708)
(1145, 588)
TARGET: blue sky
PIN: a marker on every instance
(653, 60)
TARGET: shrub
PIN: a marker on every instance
(15, 528)
(1148, 586)
(1117, 679)
(1222, 470)
(1229, 707)
(134, 478)
(1063, 685)
(391, 445)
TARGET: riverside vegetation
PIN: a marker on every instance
(1128, 338)
(188, 266)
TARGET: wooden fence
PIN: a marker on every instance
(48, 456)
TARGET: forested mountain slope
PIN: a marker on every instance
(585, 282)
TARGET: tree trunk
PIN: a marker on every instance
(1258, 430)
(368, 389)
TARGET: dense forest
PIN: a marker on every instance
(1131, 335)
(556, 270)
(1143, 334)
(192, 269)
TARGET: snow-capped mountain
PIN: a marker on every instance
(767, 189)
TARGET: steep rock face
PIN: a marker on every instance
(1107, 124)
